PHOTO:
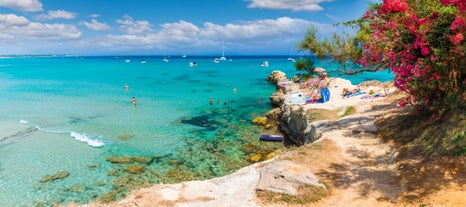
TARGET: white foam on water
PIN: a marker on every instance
(76, 135)
(89, 141)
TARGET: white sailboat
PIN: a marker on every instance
(223, 54)
(165, 58)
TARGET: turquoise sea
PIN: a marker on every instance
(70, 113)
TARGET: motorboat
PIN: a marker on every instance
(265, 64)
(192, 64)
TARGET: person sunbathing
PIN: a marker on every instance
(347, 92)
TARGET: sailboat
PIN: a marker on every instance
(165, 58)
(223, 54)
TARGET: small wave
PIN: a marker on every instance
(76, 135)
(84, 138)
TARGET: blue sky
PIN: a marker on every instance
(155, 27)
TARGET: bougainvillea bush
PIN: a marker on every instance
(423, 43)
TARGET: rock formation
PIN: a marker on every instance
(277, 76)
(285, 177)
(296, 125)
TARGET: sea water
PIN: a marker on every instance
(71, 113)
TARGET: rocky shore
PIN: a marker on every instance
(301, 124)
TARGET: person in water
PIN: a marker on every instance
(211, 101)
(134, 101)
(126, 87)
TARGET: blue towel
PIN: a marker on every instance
(355, 94)
(325, 95)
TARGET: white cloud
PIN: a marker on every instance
(182, 35)
(129, 26)
(22, 5)
(11, 20)
(94, 15)
(295, 5)
(267, 28)
(56, 14)
(95, 25)
(21, 28)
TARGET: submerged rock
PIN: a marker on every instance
(125, 137)
(248, 148)
(202, 121)
(129, 160)
(121, 160)
(260, 121)
(259, 155)
(144, 160)
(56, 176)
(135, 169)
(272, 154)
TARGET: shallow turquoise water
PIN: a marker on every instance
(69, 99)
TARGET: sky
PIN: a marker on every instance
(162, 27)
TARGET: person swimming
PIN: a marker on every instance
(134, 101)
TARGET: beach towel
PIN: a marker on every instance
(355, 94)
(372, 96)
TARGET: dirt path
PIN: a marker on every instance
(362, 170)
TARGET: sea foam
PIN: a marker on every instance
(84, 138)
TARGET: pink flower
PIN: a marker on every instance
(402, 104)
(394, 6)
(458, 23)
(425, 50)
(456, 39)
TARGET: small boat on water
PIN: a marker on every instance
(127, 60)
(143, 62)
(271, 137)
(265, 64)
(192, 64)
(216, 60)
(165, 59)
